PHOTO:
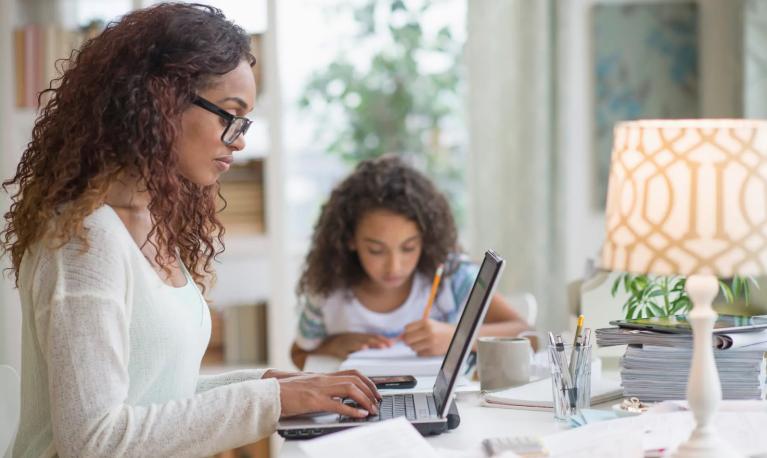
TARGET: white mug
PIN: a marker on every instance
(503, 362)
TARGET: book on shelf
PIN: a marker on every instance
(244, 334)
(243, 190)
(38, 53)
(257, 49)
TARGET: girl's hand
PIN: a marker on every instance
(324, 393)
(428, 337)
(340, 345)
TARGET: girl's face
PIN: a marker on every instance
(388, 246)
(202, 156)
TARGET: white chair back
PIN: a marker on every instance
(526, 305)
(10, 406)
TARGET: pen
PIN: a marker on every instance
(471, 361)
(433, 293)
(567, 382)
(578, 369)
(576, 345)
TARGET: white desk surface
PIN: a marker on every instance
(477, 422)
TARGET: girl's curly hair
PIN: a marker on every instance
(117, 109)
(383, 183)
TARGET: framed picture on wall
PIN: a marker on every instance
(645, 65)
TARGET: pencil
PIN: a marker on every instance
(576, 344)
(433, 293)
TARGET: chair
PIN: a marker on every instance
(10, 405)
(526, 305)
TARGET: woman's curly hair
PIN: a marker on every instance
(384, 183)
(117, 109)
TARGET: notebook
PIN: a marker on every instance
(537, 395)
(398, 359)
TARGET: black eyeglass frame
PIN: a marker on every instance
(228, 117)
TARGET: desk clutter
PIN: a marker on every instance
(654, 434)
(655, 366)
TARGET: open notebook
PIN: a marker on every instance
(537, 395)
(398, 359)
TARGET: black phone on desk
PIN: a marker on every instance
(394, 381)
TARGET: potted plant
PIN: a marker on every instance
(650, 296)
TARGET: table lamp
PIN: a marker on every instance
(689, 197)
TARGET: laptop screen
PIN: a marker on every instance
(471, 318)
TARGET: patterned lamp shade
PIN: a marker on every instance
(688, 197)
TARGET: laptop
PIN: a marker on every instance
(428, 412)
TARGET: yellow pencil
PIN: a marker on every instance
(433, 294)
(576, 344)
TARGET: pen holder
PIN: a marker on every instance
(570, 379)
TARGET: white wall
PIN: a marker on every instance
(10, 311)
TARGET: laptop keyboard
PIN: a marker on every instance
(391, 406)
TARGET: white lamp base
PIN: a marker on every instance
(704, 443)
(704, 391)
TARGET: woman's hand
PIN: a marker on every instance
(428, 337)
(310, 393)
(340, 345)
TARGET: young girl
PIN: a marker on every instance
(368, 275)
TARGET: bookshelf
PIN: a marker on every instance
(249, 271)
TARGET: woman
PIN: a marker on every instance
(111, 231)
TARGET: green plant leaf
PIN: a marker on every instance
(683, 305)
(626, 282)
(616, 285)
(726, 291)
(736, 286)
(656, 309)
(631, 310)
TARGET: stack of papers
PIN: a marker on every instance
(656, 365)
(399, 359)
(653, 373)
(538, 395)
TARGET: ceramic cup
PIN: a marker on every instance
(503, 362)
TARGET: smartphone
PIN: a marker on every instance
(394, 381)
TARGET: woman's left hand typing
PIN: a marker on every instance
(428, 337)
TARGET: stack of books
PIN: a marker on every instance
(656, 365)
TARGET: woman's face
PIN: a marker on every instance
(202, 156)
(388, 246)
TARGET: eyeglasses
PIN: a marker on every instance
(235, 125)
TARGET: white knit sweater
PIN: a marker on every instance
(111, 357)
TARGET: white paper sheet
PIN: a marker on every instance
(743, 431)
(398, 359)
(395, 438)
